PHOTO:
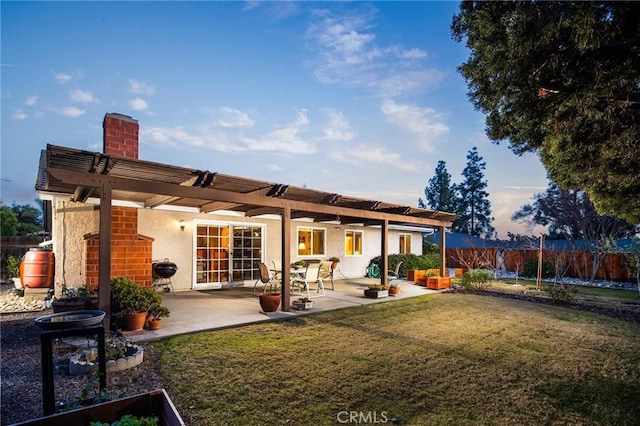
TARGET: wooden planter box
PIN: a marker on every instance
(376, 294)
(417, 275)
(438, 283)
(154, 403)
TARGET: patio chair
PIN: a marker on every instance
(395, 275)
(326, 273)
(311, 276)
(266, 277)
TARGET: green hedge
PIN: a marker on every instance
(409, 262)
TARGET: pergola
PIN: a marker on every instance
(82, 174)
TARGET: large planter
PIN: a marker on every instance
(68, 305)
(135, 322)
(376, 294)
(155, 403)
(438, 283)
(269, 302)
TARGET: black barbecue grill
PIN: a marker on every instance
(162, 273)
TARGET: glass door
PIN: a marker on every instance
(247, 253)
(227, 255)
(212, 256)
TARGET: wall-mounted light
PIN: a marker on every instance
(302, 246)
(182, 224)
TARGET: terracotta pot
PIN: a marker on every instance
(155, 324)
(269, 302)
(135, 322)
(394, 290)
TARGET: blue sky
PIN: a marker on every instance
(358, 98)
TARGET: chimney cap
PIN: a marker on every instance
(120, 116)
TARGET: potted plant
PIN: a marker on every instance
(376, 291)
(73, 298)
(13, 268)
(334, 262)
(132, 301)
(302, 304)
(155, 316)
(394, 289)
(298, 264)
(270, 299)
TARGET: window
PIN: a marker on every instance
(353, 243)
(405, 243)
(311, 241)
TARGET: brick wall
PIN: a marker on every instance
(131, 253)
(120, 135)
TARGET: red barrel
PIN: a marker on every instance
(37, 268)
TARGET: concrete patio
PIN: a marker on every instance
(193, 311)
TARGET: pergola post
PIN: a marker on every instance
(104, 254)
(286, 259)
(443, 252)
(384, 255)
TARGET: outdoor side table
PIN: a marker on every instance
(46, 342)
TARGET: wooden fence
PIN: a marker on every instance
(16, 246)
(577, 264)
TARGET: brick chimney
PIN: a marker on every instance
(120, 135)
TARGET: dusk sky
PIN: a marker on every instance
(356, 98)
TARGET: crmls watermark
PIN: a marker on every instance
(362, 417)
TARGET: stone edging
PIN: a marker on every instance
(77, 367)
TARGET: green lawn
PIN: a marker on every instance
(436, 359)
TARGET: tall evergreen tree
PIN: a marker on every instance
(472, 204)
(439, 194)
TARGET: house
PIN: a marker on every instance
(113, 214)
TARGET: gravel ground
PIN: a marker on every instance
(20, 370)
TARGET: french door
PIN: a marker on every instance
(227, 255)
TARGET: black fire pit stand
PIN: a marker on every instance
(46, 344)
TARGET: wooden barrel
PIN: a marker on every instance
(37, 268)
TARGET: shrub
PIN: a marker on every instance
(476, 278)
(560, 293)
(531, 268)
(128, 297)
(409, 262)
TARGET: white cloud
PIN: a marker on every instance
(81, 96)
(234, 118)
(347, 52)
(31, 100)
(413, 53)
(365, 156)
(425, 123)
(179, 137)
(62, 78)
(138, 104)
(338, 128)
(274, 168)
(141, 87)
(284, 140)
(72, 111)
(18, 115)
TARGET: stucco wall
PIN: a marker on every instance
(71, 221)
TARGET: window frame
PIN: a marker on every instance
(403, 248)
(353, 232)
(311, 230)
